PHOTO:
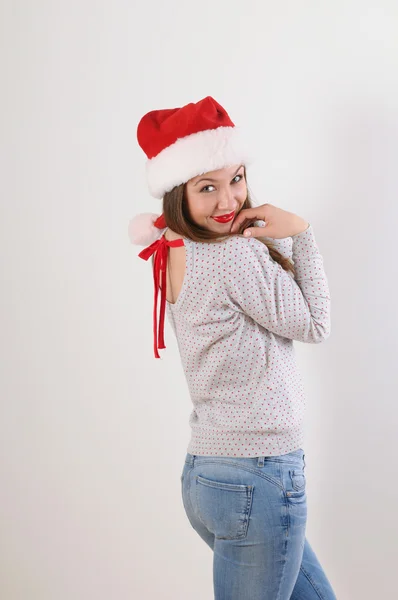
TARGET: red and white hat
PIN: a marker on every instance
(181, 143)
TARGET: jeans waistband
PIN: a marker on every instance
(257, 461)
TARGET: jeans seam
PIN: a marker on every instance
(283, 570)
(321, 596)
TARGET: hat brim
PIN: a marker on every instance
(194, 155)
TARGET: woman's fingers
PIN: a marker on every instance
(279, 223)
(247, 214)
(239, 221)
(256, 231)
(243, 225)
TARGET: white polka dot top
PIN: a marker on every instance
(235, 320)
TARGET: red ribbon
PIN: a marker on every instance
(159, 247)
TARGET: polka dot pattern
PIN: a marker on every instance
(235, 320)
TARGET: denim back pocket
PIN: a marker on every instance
(224, 508)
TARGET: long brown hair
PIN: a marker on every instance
(177, 218)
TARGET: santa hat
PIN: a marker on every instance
(181, 143)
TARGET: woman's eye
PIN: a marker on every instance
(241, 177)
(233, 181)
(206, 186)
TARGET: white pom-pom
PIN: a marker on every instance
(142, 230)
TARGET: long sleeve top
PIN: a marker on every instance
(235, 320)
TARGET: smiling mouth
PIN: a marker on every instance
(225, 218)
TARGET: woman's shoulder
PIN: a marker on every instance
(172, 235)
(248, 253)
(242, 244)
(236, 244)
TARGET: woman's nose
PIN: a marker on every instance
(226, 200)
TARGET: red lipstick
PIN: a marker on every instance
(225, 218)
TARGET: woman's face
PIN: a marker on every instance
(214, 194)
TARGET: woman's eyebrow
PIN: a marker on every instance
(210, 179)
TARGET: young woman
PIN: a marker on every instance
(240, 284)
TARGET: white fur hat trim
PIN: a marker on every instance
(196, 154)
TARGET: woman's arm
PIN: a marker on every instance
(298, 308)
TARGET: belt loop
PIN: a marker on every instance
(304, 461)
(190, 459)
(260, 461)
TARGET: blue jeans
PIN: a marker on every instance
(252, 512)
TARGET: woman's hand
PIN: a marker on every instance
(279, 223)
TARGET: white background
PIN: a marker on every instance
(94, 429)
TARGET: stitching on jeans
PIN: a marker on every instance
(244, 468)
(283, 572)
(321, 596)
